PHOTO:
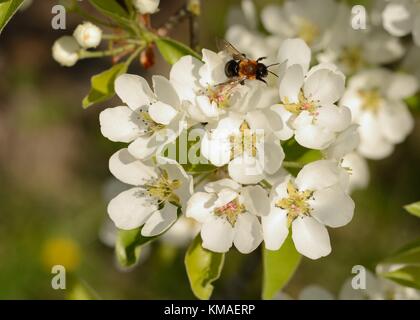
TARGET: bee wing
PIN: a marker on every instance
(231, 82)
(224, 45)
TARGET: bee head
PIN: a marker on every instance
(262, 71)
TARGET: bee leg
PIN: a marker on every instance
(242, 82)
(262, 80)
(261, 58)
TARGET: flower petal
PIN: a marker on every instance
(275, 228)
(200, 206)
(396, 19)
(131, 208)
(255, 199)
(334, 118)
(162, 113)
(130, 170)
(165, 91)
(248, 233)
(311, 238)
(320, 174)
(133, 90)
(312, 135)
(217, 234)
(395, 121)
(291, 84)
(332, 206)
(246, 170)
(144, 147)
(324, 86)
(295, 51)
(160, 221)
(120, 124)
(217, 186)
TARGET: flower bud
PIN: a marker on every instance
(66, 51)
(88, 35)
(146, 6)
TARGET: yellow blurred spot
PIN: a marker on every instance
(61, 251)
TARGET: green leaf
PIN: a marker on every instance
(409, 254)
(203, 268)
(413, 208)
(102, 85)
(413, 102)
(408, 276)
(172, 50)
(128, 246)
(279, 267)
(7, 10)
(110, 8)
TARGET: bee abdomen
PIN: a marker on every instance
(232, 69)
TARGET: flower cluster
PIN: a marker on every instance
(245, 195)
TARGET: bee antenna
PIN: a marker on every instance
(272, 65)
(273, 73)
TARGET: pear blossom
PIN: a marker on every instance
(308, 97)
(375, 98)
(354, 49)
(88, 35)
(377, 289)
(311, 292)
(343, 151)
(157, 193)
(307, 204)
(146, 6)
(243, 33)
(306, 19)
(149, 120)
(65, 51)
(181, 233)
(402, 17)
(203, 87)
(246, 144)
(228, 214)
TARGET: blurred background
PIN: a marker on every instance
(55, 183)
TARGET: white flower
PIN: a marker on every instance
(311, 292)
(147, 6)
(228, 214)
(198, 85)
(401, 18)
(246, 144)
(308, 97)
(314, 200)
(306, 19)
(150, 120)
(375, 98)
(88, 35)
(351, 50)
(377, 289)
(244, 35)
(342, 150)
(158, 191)
(181, 233)
(410, 63)
(65, 51)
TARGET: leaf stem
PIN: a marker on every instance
(98, 54)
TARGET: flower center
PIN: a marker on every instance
(230, 211)
(150, 125)
(163, 188)
(352, 58)
(308, 31)
(245, 141)
(371, 99)
(303, 104)
(219, 95)
(295, 203)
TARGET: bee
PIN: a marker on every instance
(240, 68)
